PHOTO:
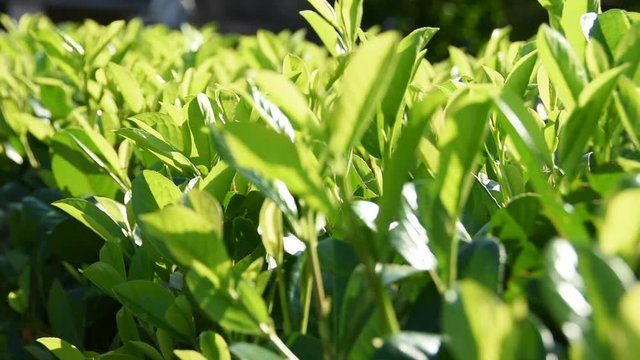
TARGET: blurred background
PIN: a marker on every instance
(463, 23)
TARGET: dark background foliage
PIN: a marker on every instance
(465, 23)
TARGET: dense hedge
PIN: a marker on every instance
(186, 194)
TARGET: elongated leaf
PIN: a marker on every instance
(476, 322)
(218, 181)
(63, 317)
(397, 169)
(628, 106)
(286, 97)
(326, 32)
(351, 17)
(409, 51)
(75, 171)
(518, 78)
(628, 51)
(483, 261)
(618, 235)
(409, 237)
(152, 191)
(578, 130)
(188, 355)
(271, 230)
(200, 118)
(105, 156)
(157, 146)
(534, 157)
(365, 81)
(128, 86)
(609, 28)
(273, 157)
(459, 149)
(103, 276)
(562, 64)
(61, 349)
(149, 302)
(188, 237)
(94, 218)
(213, 346)
(324, 9)
(572, 12)
(166, 126)
(225, 305)
(448, 193)
(247, 351)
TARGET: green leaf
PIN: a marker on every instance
(63, 316)
(609, 28)
(409, 54)
(201, 117)
(350, 12)
(397, 168)
(149, 302)
(460, 148)
(517, 116)
(572, 12)
(483, 260)
(324, 9)
(151, 191)
(206, 207)
(188, 355)
(518, 79)
(271, 230)
(247, 351)
(188, 236)
(156, 145)
(628, 107)
(127, 329)
(213, 346)
(106, 36)
(283, 96)
(409, 237)
(237, 309)
(166, 126)
(365, 81)
(94, 218)
(562, 64)
(218, 182)
(326, 32)
(628, 51)
(61, 349)
(460, 143)
(618, 235)
(515, 121)
(476, 322)
(578, 131)
(128, 86)
(274, 157)
(77, 173)
(104, 276)
(145, 349)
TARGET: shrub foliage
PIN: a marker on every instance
(186, 194)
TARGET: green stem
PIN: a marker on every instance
(322, 306)
(453, 262)
(284, 300)
(278, 343)
(369, 255)
(306, 305)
